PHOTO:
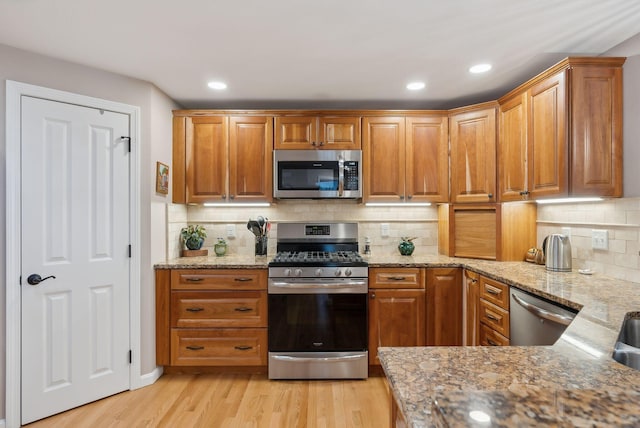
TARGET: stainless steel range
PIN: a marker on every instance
(318, 285)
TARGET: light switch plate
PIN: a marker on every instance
(231, 231)
(384, 229)
(599, 239)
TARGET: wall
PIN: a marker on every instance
(620, 217)
(419, 222)
(155, 130)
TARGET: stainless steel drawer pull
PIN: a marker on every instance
(243, 348)
(492, 317)
(194, 279)
(243, 279)
(493, 291)
(491, 342)
(195, 348)
(397, 278)
(243, 309)
(194, 309)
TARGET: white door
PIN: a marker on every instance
(75, 230)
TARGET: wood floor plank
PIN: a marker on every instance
(236, 401)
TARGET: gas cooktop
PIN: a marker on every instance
(318, 258)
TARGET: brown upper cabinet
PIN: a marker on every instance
(472, 132)
(406, 158)
(317, 132)
(219, 158)
(561, 132)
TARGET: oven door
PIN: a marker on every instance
(318, 322)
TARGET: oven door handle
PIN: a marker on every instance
(318, 359)
(317, 285)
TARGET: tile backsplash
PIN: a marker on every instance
(419, 222)
(620, 217)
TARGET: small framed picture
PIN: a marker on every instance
(162, 178)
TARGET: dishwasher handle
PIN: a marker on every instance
(543, 313)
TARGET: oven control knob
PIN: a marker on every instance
(347, 272)
(297, 272)
(287, 272)
(338, 272)
(319, 272)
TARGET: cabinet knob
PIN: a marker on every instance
(313, 143)
(409, 197)
(232, 197)
(490, 195)
(223, 196)
(402, 197)
(373, 296)
(321, 143)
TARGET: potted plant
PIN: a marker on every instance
(193, 236)
(406, 246)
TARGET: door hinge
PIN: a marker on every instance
(130, 356)
(128, 142)
(129, 250)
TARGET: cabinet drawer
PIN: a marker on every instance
(219, 347)
(396, 278)
(494, 292)
(218, 309)
(494, 317)
(219, 279)
(489, 337)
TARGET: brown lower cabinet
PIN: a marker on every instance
(396, 309)
(444, 306)
(493, 312)
(211, 317)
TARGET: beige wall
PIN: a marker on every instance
(155, 130)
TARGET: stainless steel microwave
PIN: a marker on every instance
(317, 174)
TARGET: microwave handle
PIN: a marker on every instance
(340, 176)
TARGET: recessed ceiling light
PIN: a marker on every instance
(480, 68)
(415, 86)
(217, 85)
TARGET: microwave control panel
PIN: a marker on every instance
(351, 175)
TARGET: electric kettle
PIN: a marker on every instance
(557, 252)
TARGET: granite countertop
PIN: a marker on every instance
(573, 382)
(213, 262)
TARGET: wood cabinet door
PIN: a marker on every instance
(383, 153)
(473, 156)
(295, 132)
(206, 158)
(251, 158)
(339, 133)
(547, 135)
(444, 307)
(396, 318)
(427, 159)
(596, 131)
(512, 149)
(471, 316)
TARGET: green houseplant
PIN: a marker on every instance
(193, 236)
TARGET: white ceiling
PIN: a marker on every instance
(322, 53)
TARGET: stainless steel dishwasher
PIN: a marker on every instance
(534, 321)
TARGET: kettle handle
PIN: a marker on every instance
(544, 246)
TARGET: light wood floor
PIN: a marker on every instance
(236, 400)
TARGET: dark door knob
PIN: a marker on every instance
(35, 279)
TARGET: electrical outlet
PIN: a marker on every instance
(384, 230)
(566, 231)
(231, 231)
(599, 239)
